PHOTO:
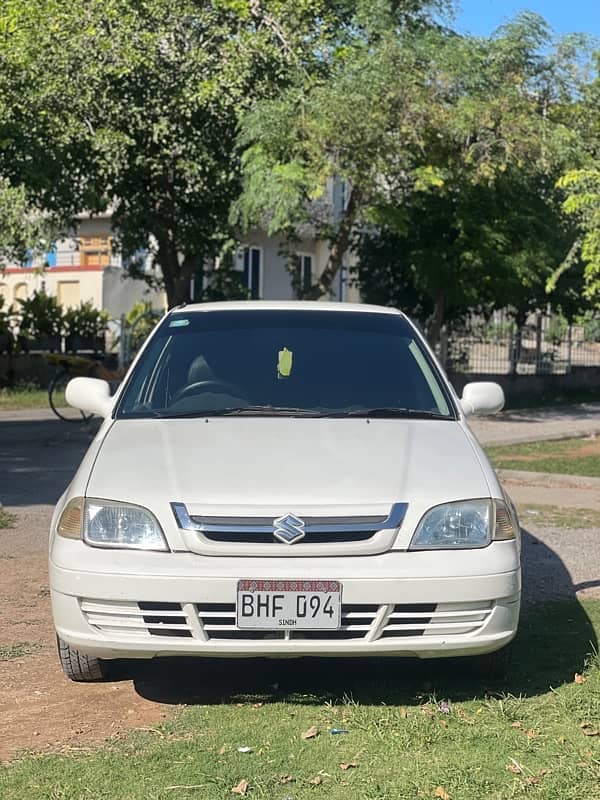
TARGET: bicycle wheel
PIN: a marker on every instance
(58, 403)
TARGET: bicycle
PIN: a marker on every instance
(74, 366)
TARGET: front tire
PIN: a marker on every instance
(79, 666)
(496, 665)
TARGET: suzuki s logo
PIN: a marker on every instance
(288, 529)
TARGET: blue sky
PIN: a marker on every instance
(481, 17)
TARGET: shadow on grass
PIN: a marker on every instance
(555, 638)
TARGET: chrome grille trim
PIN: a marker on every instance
(232, 525)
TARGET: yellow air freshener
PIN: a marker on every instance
(284, 363)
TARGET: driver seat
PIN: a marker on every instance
(199, 371)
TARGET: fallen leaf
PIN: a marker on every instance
(222, 750)
(403, 713)
(543, 772)
(517, 725)
(532, 780)
(579, 678)
(441, 793)
(349, 765)
(241, 788)
(588, 729)
(515, 767)
(311, 733)
(531, 734)
(286, 779)
(316, 781)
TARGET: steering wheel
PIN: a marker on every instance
(221, 387)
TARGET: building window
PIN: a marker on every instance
(305, 267)
(252, 271)
(68, 294)
(94, 251)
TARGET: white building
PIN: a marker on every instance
(83, 268)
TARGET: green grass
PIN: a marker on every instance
(8, 652)
(403, 744)
(17, 399)
(558, 517)
(567, 456)
(7, 519)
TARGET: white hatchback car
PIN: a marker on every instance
(283, 479)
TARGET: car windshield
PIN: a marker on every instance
(260, 362)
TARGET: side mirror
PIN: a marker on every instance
(90, 395)
(483, 397)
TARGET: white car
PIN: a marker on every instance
(283, 479)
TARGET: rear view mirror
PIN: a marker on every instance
(483, 397)
(90, 395)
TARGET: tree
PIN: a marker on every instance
(583, 203)
(475, 246)
(24, 233)
(421, 124)
(138, 109)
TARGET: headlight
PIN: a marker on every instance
(464, 525)
(111, 524)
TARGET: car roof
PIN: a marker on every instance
(285, 305)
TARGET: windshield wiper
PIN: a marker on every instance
(390, 412)
(245, 411)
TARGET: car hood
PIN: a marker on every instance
(253, 465)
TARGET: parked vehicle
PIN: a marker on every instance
(283, 479)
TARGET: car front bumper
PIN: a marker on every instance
(120, 604)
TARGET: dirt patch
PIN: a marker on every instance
(40, 709)
(589, 447)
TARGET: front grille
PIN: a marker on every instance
(217, 621)
(309, 538)
(273, 535)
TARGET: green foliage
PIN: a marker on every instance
(85, 321)
(436, 137)
(23, 231)
(149, 124)
(5, 321)
(582, 187)
(556, 332)
(140, 320)
(590, 322)
(39, 315)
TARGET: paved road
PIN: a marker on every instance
(512, 427)
(38, 456)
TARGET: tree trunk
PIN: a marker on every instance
(339, 248)
(517, 343)
(176, 275)
(436, 320)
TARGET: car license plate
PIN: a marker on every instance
(292, 605)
